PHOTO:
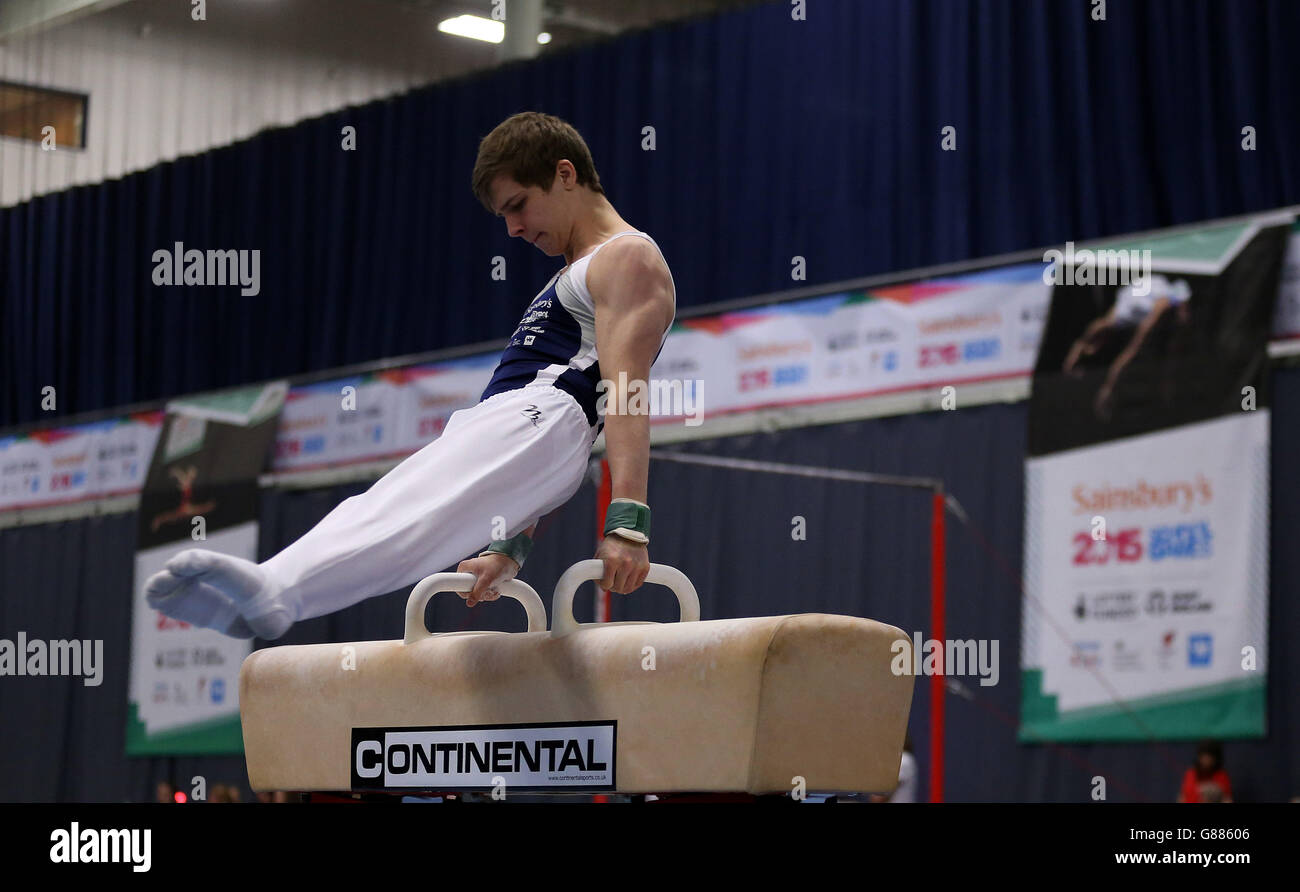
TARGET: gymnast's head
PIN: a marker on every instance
(536, 172)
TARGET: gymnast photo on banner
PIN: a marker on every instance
(1155, 349)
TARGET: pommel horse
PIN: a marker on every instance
(760, 706)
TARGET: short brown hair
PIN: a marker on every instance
(526, 147)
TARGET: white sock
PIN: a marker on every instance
(209, 585)
(196, 603)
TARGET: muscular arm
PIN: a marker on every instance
(633, 295)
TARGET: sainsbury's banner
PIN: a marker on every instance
(1158, 628)
(1146, 497)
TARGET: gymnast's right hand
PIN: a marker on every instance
(490, 571)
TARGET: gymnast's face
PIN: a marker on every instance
(540, 217)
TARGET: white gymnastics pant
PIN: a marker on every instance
(495, 470)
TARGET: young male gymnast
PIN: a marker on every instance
(518, 454)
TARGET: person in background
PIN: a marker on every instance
(224, 793)
(906, 790)
(1206, 780)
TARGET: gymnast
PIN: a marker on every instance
(518, 454)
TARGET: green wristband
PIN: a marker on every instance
(629, 519)
(517, 548)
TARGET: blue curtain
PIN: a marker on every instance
(775, 138)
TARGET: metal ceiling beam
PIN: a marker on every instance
(571, 19)
(523, 24)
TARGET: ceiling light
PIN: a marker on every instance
(474, 27)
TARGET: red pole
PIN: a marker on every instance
(602, 596)
(937, 633)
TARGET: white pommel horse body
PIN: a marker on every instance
(723, 706)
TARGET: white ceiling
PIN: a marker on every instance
(401, 33)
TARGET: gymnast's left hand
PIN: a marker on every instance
(626, 564)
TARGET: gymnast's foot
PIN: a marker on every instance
(232, 595)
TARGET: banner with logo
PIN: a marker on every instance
(377, 416)
(1146, 493)
(201, 492)
(962, 329)
(70, 464)
(952, 330)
